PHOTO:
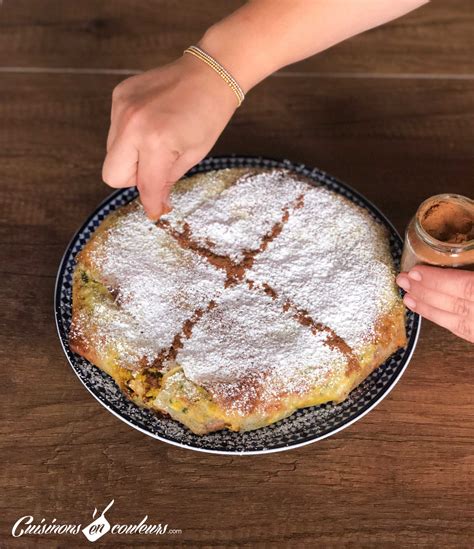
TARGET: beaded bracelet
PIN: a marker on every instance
(219, 69)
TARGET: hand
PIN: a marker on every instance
(163, 122)
(445, 296)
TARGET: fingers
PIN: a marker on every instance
(445, 302)
(120, 164)
(184, 163)
(453, 282)
(120, 116)
(119, 105)
(461, 326)
(443, 296)
(154, 182)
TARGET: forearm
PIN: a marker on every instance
(166, 120)
(266, 35)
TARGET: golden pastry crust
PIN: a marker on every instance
(190, 319)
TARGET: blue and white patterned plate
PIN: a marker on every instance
(304, 426)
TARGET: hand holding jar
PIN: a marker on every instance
(438, 263)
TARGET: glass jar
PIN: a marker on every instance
(441, 233)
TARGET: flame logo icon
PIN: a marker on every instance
(99, 527)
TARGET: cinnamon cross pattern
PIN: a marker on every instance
(236, 272)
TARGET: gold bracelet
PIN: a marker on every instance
(221, 71)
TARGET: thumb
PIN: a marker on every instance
(153, 180)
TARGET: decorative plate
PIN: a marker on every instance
(302, 427)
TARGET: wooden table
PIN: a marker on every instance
(390, 112)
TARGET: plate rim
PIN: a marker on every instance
(282, 163)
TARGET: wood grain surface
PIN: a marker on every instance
(400, 477)
(130, 34)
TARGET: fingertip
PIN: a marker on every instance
(154, 208)
(409, 302)
(166, 209)
(423, 271)
(108, 183)
(156, 211)
(415, 274)
(148, 202)
(155, 195)
(120, 165)
(112, 182)
(403, 281)
(105, 177)
(153, 215)
(116, 185)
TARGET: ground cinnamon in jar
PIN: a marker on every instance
(441, 233)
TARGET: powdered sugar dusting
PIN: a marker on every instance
(328, 262)
(248, 337)
(189, 194)
(115, 331)
(332, 260)
(242, 214)
(158, 284)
